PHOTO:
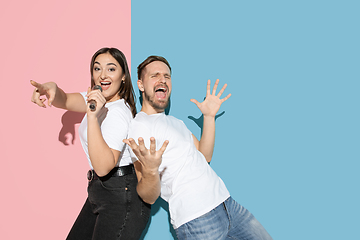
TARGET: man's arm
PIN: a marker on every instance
(147, 168)
(209, 107)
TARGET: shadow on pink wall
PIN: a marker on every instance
(69, 120)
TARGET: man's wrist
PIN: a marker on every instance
(210, 117)
(150, 172)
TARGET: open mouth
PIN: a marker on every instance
(105, 85)
(160, 92)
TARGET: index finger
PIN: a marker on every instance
(226, 98)
(35, 84)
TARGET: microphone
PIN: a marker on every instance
(92, 105)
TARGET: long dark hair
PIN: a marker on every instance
(126, 89)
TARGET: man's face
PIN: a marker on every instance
(155, 84)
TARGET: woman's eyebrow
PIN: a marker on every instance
(106, 64)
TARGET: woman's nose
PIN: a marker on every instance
(103, 75)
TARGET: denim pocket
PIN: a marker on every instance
(113, 183)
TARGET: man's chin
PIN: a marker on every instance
(158, 105)
(161, 105)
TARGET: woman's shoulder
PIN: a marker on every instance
(119, 107)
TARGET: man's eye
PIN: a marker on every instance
(156, 75)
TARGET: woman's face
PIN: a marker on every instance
(108, 73)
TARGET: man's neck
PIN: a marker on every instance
(149, 110)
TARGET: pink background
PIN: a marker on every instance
(44, 169)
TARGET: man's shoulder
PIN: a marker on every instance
(140, 119)
(153, 118)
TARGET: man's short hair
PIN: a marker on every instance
(149, 60)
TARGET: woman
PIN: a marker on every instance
(113, 209)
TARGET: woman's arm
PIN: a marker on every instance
(102, 157)
(57, 97)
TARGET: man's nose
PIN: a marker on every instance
(162, 79)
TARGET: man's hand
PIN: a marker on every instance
(149, 186)
(150, 159)
(211, 105)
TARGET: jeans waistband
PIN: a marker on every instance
(115, 172)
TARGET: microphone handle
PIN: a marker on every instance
(92, 105)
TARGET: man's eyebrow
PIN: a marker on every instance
(158, 73)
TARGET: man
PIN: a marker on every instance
(200, 205)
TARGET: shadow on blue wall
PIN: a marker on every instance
(199, 121)
(160, 203)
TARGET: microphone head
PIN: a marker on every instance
(97, 87)
(92, 107)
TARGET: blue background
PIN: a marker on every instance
(287, 143)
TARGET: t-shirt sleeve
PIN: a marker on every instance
(115, 126)
(84, 95)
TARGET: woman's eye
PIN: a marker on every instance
(96, 69)
(111, 69)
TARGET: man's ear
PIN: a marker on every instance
(140, 85)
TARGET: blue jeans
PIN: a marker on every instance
(113, 210)
(227, 221)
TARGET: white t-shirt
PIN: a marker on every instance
(188, 183)
(114, 119)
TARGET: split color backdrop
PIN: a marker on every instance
(287, 141)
